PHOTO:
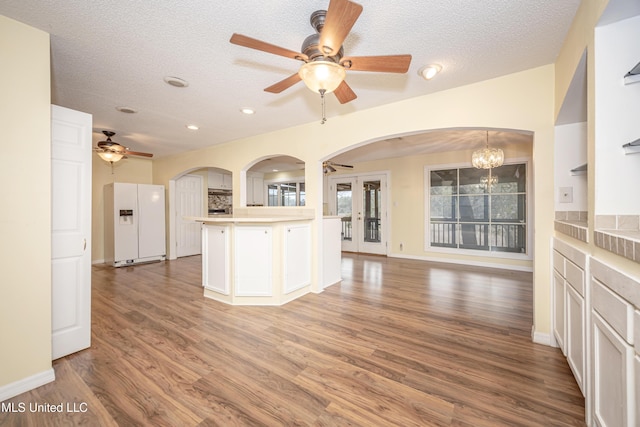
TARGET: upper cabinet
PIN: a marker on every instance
(219, 180)
(255, 189)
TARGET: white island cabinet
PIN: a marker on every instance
(256, 261)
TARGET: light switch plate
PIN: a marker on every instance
(565, 194)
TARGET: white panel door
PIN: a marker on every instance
(189, 203)
(151, 228)
(71, 231)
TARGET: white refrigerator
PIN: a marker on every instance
(134, 223)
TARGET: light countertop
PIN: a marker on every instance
(246, 220)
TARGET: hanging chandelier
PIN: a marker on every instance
(487, 158)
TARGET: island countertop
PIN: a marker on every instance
(247, 220)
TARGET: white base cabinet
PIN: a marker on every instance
(215, 259)
(612, 363)
(559, 291)
(256, 261)
(575, 338)
(614, 397)
(570, 307)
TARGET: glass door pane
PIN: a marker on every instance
(344, 208)
(371, 209)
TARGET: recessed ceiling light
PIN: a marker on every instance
(429, 71)
(128, 110)
(192, 127)
(248, 111)
(275, 170)
(176, 82)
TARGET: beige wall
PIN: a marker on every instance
(519, 101)
(25, 217)
(134, 170)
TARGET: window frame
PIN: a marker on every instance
(278, 182)
(527, 255)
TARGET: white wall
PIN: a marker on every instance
(570, 152)
(617, 121)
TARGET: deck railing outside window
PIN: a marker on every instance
(478, 209)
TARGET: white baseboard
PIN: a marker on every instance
(540, 338)
(21, 386)
(97, 261)
(464, 262)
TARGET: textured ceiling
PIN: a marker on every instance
(114, 53)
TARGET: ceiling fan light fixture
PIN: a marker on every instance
(110, 156)
(429, 71)
(322, 75)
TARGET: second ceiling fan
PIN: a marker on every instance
(325, 65)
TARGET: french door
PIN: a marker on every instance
(360, 202)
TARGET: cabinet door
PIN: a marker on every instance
(257, 185)
(613, 403)
(558, 310)
(253, 261)
(574, 338)
(226, 181)
(297, 257)
(214, 180)
(215, 258)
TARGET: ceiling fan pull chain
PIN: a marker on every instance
(324, 116)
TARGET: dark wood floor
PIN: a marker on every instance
(397, 343)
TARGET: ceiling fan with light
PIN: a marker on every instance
(112, 152)
(329, 167)
(325, 65)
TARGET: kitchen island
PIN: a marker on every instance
(266, 260)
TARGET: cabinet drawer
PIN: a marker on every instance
(616, 311)
(575, 276)
(558, 262)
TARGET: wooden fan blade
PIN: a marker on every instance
(342, 166)
(252, 43)
(284, 84)
(137, 153)
(383, 64)
(341, 15)
(344, 93)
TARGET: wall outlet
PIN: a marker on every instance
(401, 246)
(565, 194)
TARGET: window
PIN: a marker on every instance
(286, 194)
(478, 209)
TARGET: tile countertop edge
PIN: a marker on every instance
(624, 243)
(577, 229)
